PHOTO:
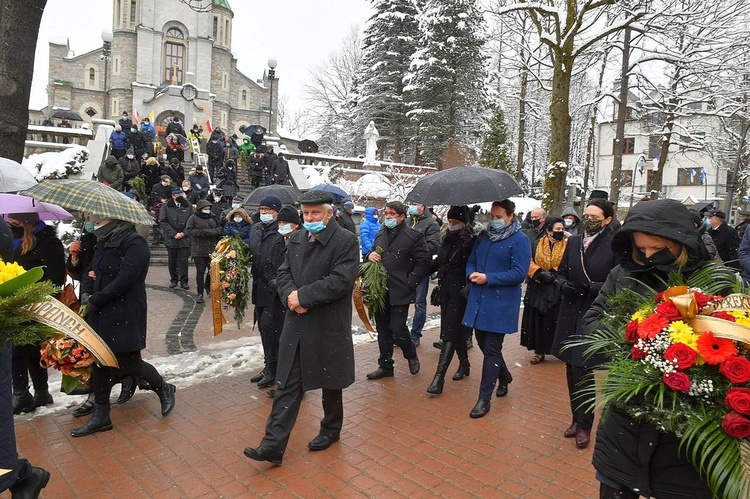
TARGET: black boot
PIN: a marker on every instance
(85, 408)
(446, 355)
(128, 389)
(42, 398)
(99, 422)
(166, 393)
(23, 401)
(463, 361)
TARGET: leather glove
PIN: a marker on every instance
(568, 289)
(546, 277)
(86, 302)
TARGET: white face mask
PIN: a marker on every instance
(206, 211)
(238, 219)
(165, 184)
(285, 229)
(185, 189)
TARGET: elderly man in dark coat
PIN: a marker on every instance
(315, 350)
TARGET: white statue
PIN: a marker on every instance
(371, 136)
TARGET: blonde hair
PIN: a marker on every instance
(28, 240)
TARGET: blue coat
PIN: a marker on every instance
(368, 229)
(494, 306)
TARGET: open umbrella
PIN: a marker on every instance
(287, 194)
(67, 114)
(16, 203)
(338, 193)
(251, 129)
(464, 185)
(307, 145)
(91, 197)
(181, 139)
(14, 177)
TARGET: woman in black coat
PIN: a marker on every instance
(450, 265)
(114, 292)
(226, 178)
(632, 457)
(35, 244)
(204, 231)
(586, 263)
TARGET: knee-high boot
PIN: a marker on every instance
(463, 361)
(446, 355)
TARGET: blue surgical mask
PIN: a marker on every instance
(285, 229)
(235, 206)
(206, 211)
(497, 224)
(455, 228)
(314, 227)
(707, 221)
(266, 218)
(413, 209)
(391, 223)
(89, 227)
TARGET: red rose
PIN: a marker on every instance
(736, 369)
(684, 356)
(700, 299)
(669, 310)
(738, 399)
(736, 425)
(723, 315)
(659, 297)
(631, 331)
(679, 382)
(637, 353)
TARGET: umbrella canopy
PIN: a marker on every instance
(67, 114)
(251, 129)
(14, 177)
(338, 193)
(181, 139)
(286, 193)
(91, 197)
(307, 145)
(463, 185)
(16, 203)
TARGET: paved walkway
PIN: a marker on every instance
(397, 440)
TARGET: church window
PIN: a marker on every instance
(244, 100)
(227, 37)
(117, 11)
(92, 77)
(225, 81)
(224, 117)
(114, 108)
(173, 62)
(216, 27)
(132, 12)
(116, 65)
(175, 33)
(90, 111)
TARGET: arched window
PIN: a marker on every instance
(92, 77)
(243, 101)
(175, 33)
(174, 56)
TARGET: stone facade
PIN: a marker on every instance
(157, 47)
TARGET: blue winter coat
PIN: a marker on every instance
(494, 306)
(148, 130)
(368, 229)
(243, 228)
(118, 140)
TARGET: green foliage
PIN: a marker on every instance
(17, 326)
(375, 283)
(495, 150)
(139, 185)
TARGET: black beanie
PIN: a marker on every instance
(288, 214)
(459, 213)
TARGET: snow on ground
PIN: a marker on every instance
(56, 164)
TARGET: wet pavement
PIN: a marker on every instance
(397, 440)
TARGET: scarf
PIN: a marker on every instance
(496, 235)
(115, 226)
(548, 256)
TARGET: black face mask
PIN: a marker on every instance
(558, 236)
(17, 231)
(662, 258)
(536, 223)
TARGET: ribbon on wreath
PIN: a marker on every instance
(215, 296)
(685, 303)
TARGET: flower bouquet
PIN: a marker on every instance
(232, 261)
(680, 360)
(370, 290)
(69, 357)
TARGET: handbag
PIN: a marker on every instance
(435, 296)
(68, 298)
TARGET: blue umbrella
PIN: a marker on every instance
(338, 193)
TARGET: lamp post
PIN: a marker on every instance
(271, 75)
(106, 56)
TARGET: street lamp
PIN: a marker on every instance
(271, 75)
(106, 56)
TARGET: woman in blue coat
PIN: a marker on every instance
(368, 229)
(496, 269)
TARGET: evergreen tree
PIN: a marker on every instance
(389, 40)
(446, 83)
(495, 148)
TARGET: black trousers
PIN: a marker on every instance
(202, 276)
(131, 363)
(285, 409)
(26, 362)
(20, 469)
(178, 264)
(269, 337)
(392, 329)
(493, 366)
(581, 403)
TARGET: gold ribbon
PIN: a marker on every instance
(688, 308)
(215, 295)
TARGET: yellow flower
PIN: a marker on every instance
(9, 270)
(680, 332)
(642, 313)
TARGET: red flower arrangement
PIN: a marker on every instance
(70, 358)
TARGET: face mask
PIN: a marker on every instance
(235, 206)
(130, 156)
(708, 223)
(217, 198)
(413, 209)
(88, 227)
(455, 228)
(498, 224)
(568, 222)
(662, 258)
(100, 225)
(592, 225)
(185, 189)
(558, 236)
(165, 184)
(314, 227)
(17, 231)
(206, 212)
(536, 223)
(266, 218)
(391, 223)
(238, 219)
(285, 229)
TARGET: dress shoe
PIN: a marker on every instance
(258, 376)
(199, 298)
(571, 431)
(323, 441)
(415, 342)
(414, 365)
(263, 454)
(42, 398)
(32, 486)
(185, 285)
(268, 380)
(583, 437)
(166, 393)
(85, 408)
(99, 422)
(438, 344)
(172, 285)
(469, 343)
(502, 389)
(23, 401)
(479, 410)
(271, 393)
(128, 389)
(380, 373)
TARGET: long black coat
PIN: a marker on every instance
(172, 220)
(407, 260)
(48, 253)
(263, 242)
(599, 259)
(453, 253)
(727, 243)
(118, 293)
(323, 274)
(204, 231)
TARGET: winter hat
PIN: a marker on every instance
(459, 213)
(289, 214)
(166, 177)
(130, 151)
(271, 201)
(111, 160)
(202, 204)
(199, 168)
(238, 199)
(27, 218)
(718, 214)
(348, 205)
(598, 194)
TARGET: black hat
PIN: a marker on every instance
(718, 214)
(27, 218)
(459, 213)
(202, 204)
(316, 197)
(743, 213)
(596, 194)
(288, 214)
(271, 201)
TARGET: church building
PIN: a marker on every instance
(164, 59)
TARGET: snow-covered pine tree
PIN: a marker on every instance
(389, 40)
(445, 89)
(496, 148)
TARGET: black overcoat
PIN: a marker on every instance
(173, 219)
(204, 231)
(450, 265)
(323, 274)
(407, 260)
(262, 242)
(118, 293)
(47, 253)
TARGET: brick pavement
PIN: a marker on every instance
(397, 440)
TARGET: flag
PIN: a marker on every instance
(703, 176)
(655, 162)
(208, 126)
(136, 114)
(151, 117)
(692, 174)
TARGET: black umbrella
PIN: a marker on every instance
(307, 145)
(251, 129)
(67, 114)
(464, 185)
(287, 194)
